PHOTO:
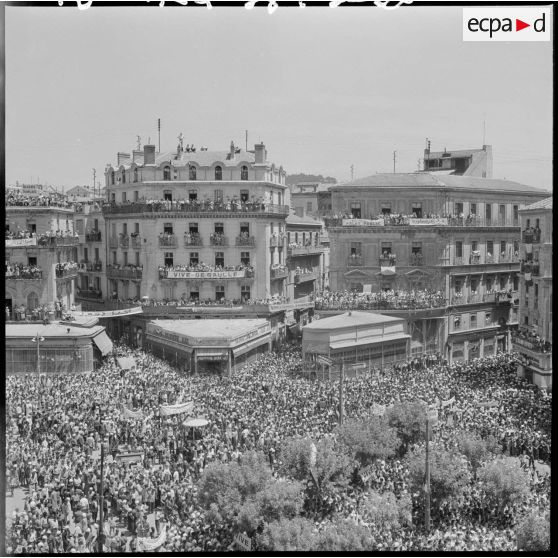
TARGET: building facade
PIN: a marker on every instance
(430, 234)
(533, 340)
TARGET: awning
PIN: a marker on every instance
(103, 343)
(364, 342)
(387, 270)
(212, 354)
(251, 345)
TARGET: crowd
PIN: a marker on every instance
(66, 268)
(146, 301)
(43, 200)
(383, 300)
(23, 271)
(54, 433)
(532, 340)
(203, 267)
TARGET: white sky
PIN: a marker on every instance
(323, 88)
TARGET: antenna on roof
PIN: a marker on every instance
(394, 161)
(159, 130)
(246, 140)
(484, 132)
(139, 142)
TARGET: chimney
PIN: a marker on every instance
(232, 150)
(122, 157)
(261, 153)
(137, 156)
(148, 154)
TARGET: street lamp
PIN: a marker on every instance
(37, 339)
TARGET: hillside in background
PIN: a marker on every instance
(301, 177)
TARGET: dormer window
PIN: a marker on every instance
(218, 173)
(244, 173)
(166, 173)
(192, 173)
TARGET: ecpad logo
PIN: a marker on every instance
(506, 24)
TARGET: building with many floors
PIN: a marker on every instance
(457, 236)
(533, 339)
(461, 162)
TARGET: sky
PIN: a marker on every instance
(323, 88)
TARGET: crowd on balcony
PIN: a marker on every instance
(195, 205)
(97, 265)
(43, 312)
(279, 268)
(217, 239)
(197, 302)
(244, 239)
(91, 292)
(66, 268)
(306, 244)
(23, 271)
(127, 267)
(470, 220)
(535, 340)
(203, 267)
(43, 239)
(531, 234)
(192, 239)
(389, 258)
(43, 200)
(303, 270)
(387, 299)
(530, 266)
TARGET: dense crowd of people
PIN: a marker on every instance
(387, 299)
(66, 268)
(184, 301)
(23, 271)
(54, 432)
(532, 340)
(203, 267)
(42, 200)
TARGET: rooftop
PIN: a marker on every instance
(352, 319)
(453, 153)
(542, 204)
(307, 220)
(50, 330)
(210, 329)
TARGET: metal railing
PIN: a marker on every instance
(65, 273)
(304, 250)
(113, 242)
(193, 239)
(168, 241)
(217, 239)
(304, 277)
(89, 294)
(531, 237)
(530, 267)
(184, 207)
(355, 261)
(116, 273)
(90, 266)
(404, 221)
(279, 272)
(32, 276)
(94, 236)
(416, 259)
(124, 242)
(387, 262)
(245, 241)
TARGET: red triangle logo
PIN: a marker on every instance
(519, 25)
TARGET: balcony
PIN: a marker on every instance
(90, 266)
(124, 273)
(196, 207)
(59, 241)
(124, 241)
(356, 260)
(89, 294)
(387, 261)
(167, 241)
(67, 273)
(218, 239)
(24, 275)
(531, 342)
(530, 268)
(474, 259)
(416, 260)
(93, 236)
(279, 272)
(277, 240)
(205, 272)
(193, 239)
(113, 242)
(531, 236)
(136, 242)
(305, 276)
(248, 241)
(304, 250)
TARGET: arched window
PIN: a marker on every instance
(192, 173)
(244, 173)
(123, 177)
(112, 177)
(218, 173)
(32, 301)
(166, 173)
(135, 174)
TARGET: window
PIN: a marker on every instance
(244, 196)
(474, 286)
(113, 197)
(457, 322)
(355, 210)
(473, 209)
(168, 292)
(218, 173)
(96, 254)
(245, 229)
(458, 287)
(193, 228)
(123, 177)
(458, 249)
(386, 208)
(245, 293)
(385, 248)
(194, 258)
(166, 173)
(489, 283)
(167, 195)
(488, 212)
(245, 258)
(502, 213)
(490, 248)
(244, 173)
(219, 228)
(515, 213)
(192, 173)
(219, 292)
(135, 175)
(219, 259)
(502, 282)
(32, 301)
(488, 318)
(193, 195)
(138, 291)
(168, 228)
(458, 208)
(137, 258)
(136, 228)
(473, 320)
(85, 254)
(503, 248)
(125, 255)
(218, 196)
(124, 229)
(114, 260)
(136, 195)
(195, 293)
(416, 209)
(309, 207)
(32, 260)
(123, 197)
(515, 283)
(474, 245)
(169, 259)
(356, 249)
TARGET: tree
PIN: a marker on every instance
(448, 472)
(281, 499)
(477, 449)
(504, 480)
(385, 511)
(409, 420)
(289, 535)
(369, 440)
(533, 533)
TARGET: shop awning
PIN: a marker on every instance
(364, 342)
(251, 345)
(103, 343)
(212, 354)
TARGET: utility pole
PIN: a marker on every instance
(246, 140)
(159, 130)
(394, 161)
(94, 177)
(427, 154)
(341, 387)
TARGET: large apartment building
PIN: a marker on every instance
(533, 340)
(458, 235)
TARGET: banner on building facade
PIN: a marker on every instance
(363, 222)
(110, 313)
(432, 221)
(168, 410)
(20, 242)
(173, 274)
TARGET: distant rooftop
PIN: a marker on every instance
(542, 204)
(210, 329)
(50, 330)
(306, 220)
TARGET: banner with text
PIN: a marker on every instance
(432, 221)
(363, 222)
(20, 242)
(168, 410)
(145, 544)
(110, 313)
(174, 274)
